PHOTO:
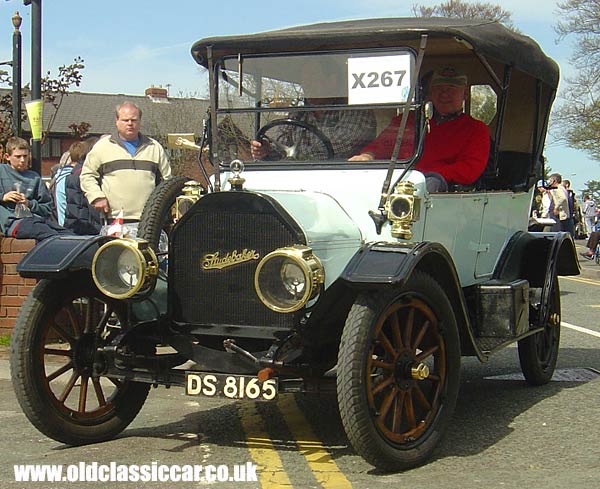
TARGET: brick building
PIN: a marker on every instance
(160, 115)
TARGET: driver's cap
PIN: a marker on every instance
(448, 75)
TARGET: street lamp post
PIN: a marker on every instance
(36, 73)
(16, 79)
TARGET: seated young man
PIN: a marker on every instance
(457, 147)
(26, 206)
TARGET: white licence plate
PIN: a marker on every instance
(230, 386)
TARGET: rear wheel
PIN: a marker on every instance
(538, 353)
(54, 364)
(398, 373)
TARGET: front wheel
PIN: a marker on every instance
(55, 360)
(399, 373)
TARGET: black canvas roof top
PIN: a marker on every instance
(488, 38)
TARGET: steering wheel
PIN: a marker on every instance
(291, 151)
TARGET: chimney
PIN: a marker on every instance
(156, 92)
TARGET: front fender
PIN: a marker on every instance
(60, 255)
(378, 265)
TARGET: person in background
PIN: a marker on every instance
(58, 184)
(80, 217)
(26, 207)
(546, 199)
(591, 244)
(121, 170)
(560, 208)
(541, 219)
(589, 213)
(456, 148)
(573, 205)
(570, 196)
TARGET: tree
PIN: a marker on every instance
(592, 188)
(483, 103)
(466, 10)
(53, 92)
(576, 120)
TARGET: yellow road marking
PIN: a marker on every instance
(270, 471)
(582, 280)
(320, 462)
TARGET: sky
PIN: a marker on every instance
(130, 45)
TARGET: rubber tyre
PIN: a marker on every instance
(538, 354)
(51, 334)
(384, 332)
(158, 210)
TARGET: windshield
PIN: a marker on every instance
(309, 107)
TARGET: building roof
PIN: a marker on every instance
(159, 115)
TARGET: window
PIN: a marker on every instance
(483, 103)
(51, 148)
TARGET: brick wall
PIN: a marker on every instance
(13, 288)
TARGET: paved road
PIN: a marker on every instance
(504, 434)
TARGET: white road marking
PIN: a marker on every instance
(580, 329)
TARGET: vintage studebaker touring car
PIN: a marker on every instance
(301, 269)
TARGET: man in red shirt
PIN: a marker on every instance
(457, 147)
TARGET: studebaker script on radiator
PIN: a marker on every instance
(216, 261)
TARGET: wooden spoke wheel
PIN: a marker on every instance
(55, 364)
(398, 373)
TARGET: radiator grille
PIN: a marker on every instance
(226, 223)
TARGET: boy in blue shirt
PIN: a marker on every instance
(26, 206)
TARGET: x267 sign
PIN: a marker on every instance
(379, 79)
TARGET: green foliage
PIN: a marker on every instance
(4, 340)
(53, 92)
(483, 103)
(592, 188)
(576, 119)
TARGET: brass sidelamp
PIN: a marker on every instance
(403, 208)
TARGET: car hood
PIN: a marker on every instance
(330, 232)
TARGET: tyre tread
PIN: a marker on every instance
(156, 208)
(355, 417)
(30, 394)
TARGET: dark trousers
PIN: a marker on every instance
(568, 226)
(593, 240)
(36, 228)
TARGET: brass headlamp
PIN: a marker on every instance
(125, 269)
(402, 209)
(287, 278)
(192, 191)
